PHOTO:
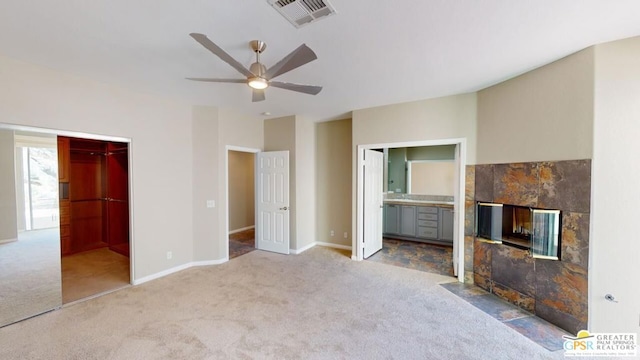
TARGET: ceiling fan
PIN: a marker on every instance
(258, 76)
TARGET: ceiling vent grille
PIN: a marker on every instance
(303, 12)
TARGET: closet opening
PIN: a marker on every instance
(94, 216)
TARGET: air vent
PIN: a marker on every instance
(302, 12)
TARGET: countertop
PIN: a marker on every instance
(419, 202)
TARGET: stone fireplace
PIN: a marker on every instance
(555, 290)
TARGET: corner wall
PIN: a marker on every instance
(333, 179)
(616, 175)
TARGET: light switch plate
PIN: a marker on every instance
(211, 203)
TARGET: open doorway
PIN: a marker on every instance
(421, 221)
(94, 221)
(241, 197)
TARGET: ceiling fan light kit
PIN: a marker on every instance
(258, 83)
(258, 77)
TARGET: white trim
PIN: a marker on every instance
(209, 262)
(162, 273)
(226, 186)
(242, 229)
(335, 246)
(178, 268)
(459, 196)
(76, 134)
(5, 241)
(299, 251)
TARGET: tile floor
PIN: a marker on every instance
(437, 259)
(93, 272)
(241, 243)
(537, 330)
(416, 255)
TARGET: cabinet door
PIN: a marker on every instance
(63, 159)
(391, 219)
(446, 224)
(408, 220)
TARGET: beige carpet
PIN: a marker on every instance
(30, 275)
(316, 305)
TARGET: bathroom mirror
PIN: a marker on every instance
(421, 170)
(30, 278)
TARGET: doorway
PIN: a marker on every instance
(241, 195)
(94, 222)
(414, 214)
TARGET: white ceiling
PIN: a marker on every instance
(370, 53)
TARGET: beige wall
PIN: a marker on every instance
(205, 185)
(543, 115)
(614, 247)
(333, 181)
(305, 203)
(433, 119)
(8, 201)
(161, 148)
(241, 190)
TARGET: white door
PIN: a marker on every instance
(272, 201)
(373, 176)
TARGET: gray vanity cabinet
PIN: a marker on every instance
(392, 219)
(428, 222)
(446, 224)
(433, 224)
(408, 220)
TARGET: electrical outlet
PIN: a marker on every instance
(332, 233)
(346, 235)
(169, 255)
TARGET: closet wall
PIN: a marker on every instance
(94, 192)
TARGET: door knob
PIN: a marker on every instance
(284, 208)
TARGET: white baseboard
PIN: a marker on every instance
(161, 274)
(210, 262)
(7, 241)
(335, 246)
(353, 257)
(179, 268)
(300, 251)
(242, 229)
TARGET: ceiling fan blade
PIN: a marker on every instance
(298, 57)
(258, 95)
(216, 50)
(238, 81)
(307, 89)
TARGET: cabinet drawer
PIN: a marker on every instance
(424, 216)
(428, 209)
(428, 223)
(427, 232)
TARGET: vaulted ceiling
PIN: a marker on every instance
(370, 53)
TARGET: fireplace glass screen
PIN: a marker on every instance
(535, 230)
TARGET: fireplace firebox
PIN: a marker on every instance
(532, 229)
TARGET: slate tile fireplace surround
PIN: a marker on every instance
(553, 290)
